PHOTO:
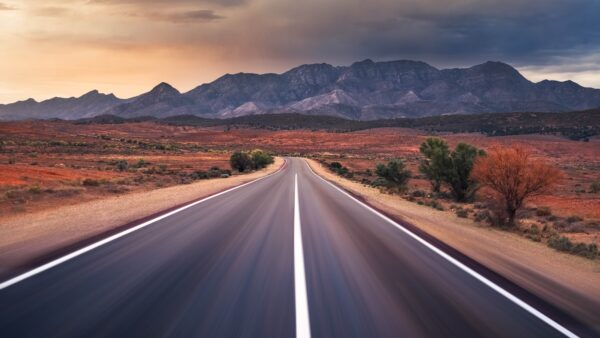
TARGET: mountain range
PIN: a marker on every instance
(365, 90)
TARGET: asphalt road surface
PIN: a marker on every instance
(231, 266)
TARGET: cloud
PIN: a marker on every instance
(556, 39)
(51, 11)
(198, 15)
(171, 3)
(5, 7)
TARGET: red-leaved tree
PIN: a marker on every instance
(515, 176)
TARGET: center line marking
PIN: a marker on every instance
(302, 319)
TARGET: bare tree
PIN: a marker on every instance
(515, 176)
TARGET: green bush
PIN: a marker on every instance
(260, 159)
(88, 182)
(564, 244)
(394, 173)
(452, 168)
(335, 165)
(573, 219)
(122, 165)
(435, 163)
(339, 169)
(462, 213)
(35, 189)
(141, 163)
(241, 161)
(543, 211)
(595, 188)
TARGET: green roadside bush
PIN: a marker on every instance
(564, 244)
(122, 165)
(394, 173)
(88, 182)
(543, 211)
(241, 161)
(260, 159)
(452, 168)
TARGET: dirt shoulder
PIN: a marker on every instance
(28, 237)
(568, 282)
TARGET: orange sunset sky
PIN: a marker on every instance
(69, 47)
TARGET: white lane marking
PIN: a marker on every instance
(90, 247)
(302, 319)
(460, 265)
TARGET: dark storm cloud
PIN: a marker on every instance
(446, 32)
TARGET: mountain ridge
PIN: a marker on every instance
(364, 90)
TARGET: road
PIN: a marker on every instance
(229, 266)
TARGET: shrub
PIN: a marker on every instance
(573, 219)
(462, 213)
(122, 165)
(595, 188)
(543, 211)
(581, 249)
(435, 163)
(88, 182)
(458, 176)
(418, 193)
(379, 182)
(560, 243)
(452, 168)
(141, 163)
(482, 215)
(35, 189)
(199, 175)
(261, 159)
(339, 169)
(588, 251)
(240, 161)
(512, 174)
(394, 173)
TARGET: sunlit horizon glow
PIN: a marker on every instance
(68, 47)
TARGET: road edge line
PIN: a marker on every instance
(516, 300)
(47, 266)
(301, 298)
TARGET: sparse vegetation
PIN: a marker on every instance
(339, 169)
(88, 182)
(462, 213)
(543, 211)
(394, 174)
(122, 165)
(562, 243)
(595, 187)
